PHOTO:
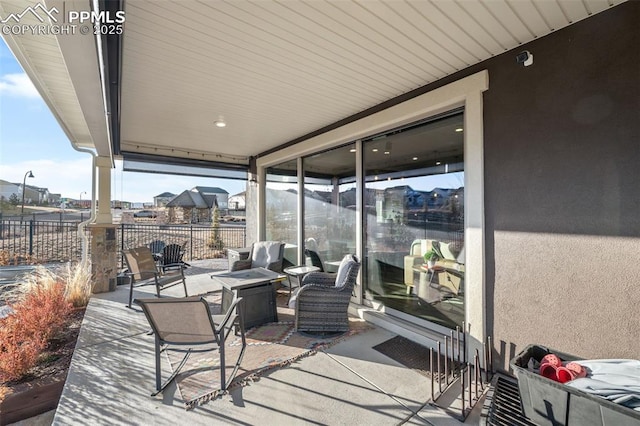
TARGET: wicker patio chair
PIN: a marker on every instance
(321, 304)
(144, 271)
(265, 254)
(188, 322)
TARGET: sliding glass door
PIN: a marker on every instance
(414, 220)
(330, 204)
(281, 206)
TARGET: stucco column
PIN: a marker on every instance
(103, 165)
(104, 261)
(251, 211)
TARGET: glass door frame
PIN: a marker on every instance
(464, 93)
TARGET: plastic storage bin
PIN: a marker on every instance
(547, 402)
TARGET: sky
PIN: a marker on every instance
(31, 139)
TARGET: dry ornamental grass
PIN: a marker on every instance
(41, 305)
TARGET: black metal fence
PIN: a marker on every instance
(38, 241)
(33, 241)
(199, 241)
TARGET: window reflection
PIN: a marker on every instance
(414, 196)
(330, 205)
(281, 205)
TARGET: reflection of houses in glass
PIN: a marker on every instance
(403, 204)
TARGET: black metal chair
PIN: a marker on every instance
(315, 258)
(172, 257)
(188, 322)
(156, 248)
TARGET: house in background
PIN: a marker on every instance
(32, 194)
(237, 202)
(161, 200)
(192, 206)
(221, 195)
(54, 198)
(7, 189)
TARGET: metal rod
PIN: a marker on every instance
(490, 366)
(464, 343)
(458, 344)
(446, 360)
(469, 378)
(476, 362)
(453, 357)
(484, 360)
(462, 389)
(439, 378)
(431, 369)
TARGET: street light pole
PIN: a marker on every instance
(24, 182)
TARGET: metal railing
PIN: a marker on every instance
(24, 242)
(38, 241)
(198, 241)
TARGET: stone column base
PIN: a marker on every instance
(104, 260)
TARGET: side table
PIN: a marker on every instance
(237, 254)
(425, 289)
(298, 272)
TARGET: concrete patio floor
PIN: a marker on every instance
(112, 374)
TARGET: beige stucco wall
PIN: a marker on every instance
(575, 293)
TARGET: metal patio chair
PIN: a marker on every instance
(144, 271)
(188, 322)
(315, 258)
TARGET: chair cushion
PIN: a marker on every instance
(311, 244)
(264, 253)
(343, 270)
(446, 251)
(292, 301)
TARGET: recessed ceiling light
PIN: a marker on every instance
(375, 150)
(438, 163)
(387, 152)
(415, 158)
(352, 150)
(459, 129)
(220, 122)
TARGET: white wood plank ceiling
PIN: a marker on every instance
(276, 70)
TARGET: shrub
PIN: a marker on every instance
(40, 309)
(7, 259)
(78, 284)
(215, 241)
(20, 347)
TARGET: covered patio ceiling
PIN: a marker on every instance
(275, 71)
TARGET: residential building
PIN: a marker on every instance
(237, 202)
(192, 206)
(7, 189)
(161, 200)
(221, 196)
